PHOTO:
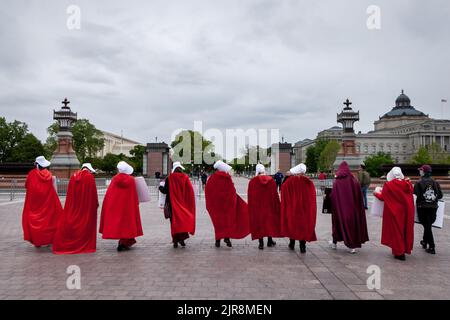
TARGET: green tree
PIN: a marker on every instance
(137, 158)
(374, 163)
(328, 155)
(27, 149)
(422, 156)
(11, 134)
(313, 155)
(438, 156)
(87, 139)
(185, 143)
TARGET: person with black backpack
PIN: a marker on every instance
(428, 192)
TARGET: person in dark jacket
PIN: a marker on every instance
(428, 192)
(278, 179)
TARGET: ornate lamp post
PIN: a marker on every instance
(64, 160)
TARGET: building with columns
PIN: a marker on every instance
(400, 132)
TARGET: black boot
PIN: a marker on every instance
(302, 246)
(261, 244)
(400, 257)
(175, 244)
(228, 242)
(120, 248)
(217, 243)
(182, 243)
(431, 251)
(270, 242)
(423, 244)
(291, 244)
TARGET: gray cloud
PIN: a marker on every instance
(150, 67)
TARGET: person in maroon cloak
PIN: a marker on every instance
(228, 212)
(42, 207)
(180, 199)
(348, 213)
(398, 214)
(120, 217)
(77, 227)
(298, 208)
(264, 208)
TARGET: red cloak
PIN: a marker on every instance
(264, 207)
(298, 209)
(120, 217)
(398, 216)
(229, 213)
(77, 227)
(42, 208)
(182, 201)
(348, 214)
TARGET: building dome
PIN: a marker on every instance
(402, 108)
(402, 100)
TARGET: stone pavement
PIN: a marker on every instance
(155, 270)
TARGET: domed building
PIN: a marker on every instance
(399, 132)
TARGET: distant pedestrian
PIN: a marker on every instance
(298, 208)
(180, 201)
(428, 192)
(204, 178)
(348, 214)
(364, 181)
(42, 207)
(398, 214)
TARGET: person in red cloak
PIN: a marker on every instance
(228, 212)
(120, 217)
(42, 207)
(298, 208)
(264, 208)
(398, 214)
(180, 199)
(77, 227)
(348, 213)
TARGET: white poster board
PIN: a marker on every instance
(377, 207)
(142, 190)
(162, 196)
(439, 223)
(55, 183)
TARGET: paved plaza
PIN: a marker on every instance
(155, 270)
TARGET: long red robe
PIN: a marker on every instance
(42, 208)
(264, 207)
(298, 209)
(229, 213)
(120, 217)
(182, 200)
(77, 227)
(348, 214)
(398, 216)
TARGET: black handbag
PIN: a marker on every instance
(327, 206)
(167, 211)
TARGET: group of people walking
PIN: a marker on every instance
(270, 214)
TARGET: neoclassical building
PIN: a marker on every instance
(400, 132)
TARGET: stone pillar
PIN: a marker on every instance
(64, 160)
(157, 160)
(281, 157)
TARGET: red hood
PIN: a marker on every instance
(44, 174)
(264, 180)
(123, 180)
(79, 175)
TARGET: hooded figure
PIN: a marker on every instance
(263, 207)
(77, 227)
(398, 214)
(298, 208)
(228, 212)
(180, 200)
(348, 213)
(120, 217)
(42, 207)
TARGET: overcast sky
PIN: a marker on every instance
(150, 67)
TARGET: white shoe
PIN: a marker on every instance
(352, 251)
(332, 245)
